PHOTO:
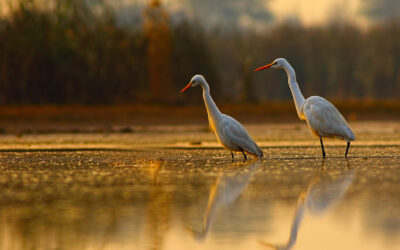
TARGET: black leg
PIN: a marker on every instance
(245, 156)
(322, 146)
(347, 149)
(232, 155)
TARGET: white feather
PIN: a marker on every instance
(229, 132)
(325, 120)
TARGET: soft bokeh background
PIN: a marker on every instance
(99, 150)
(137, 51)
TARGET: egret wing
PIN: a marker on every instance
(237, 135)
(325, 119)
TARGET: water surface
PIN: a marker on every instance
(168, 190)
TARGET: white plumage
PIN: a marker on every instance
(324, 120)
(229, 132)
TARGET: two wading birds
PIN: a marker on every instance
(323, 119)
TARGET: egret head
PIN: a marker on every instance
(276, 64)
(196, 80)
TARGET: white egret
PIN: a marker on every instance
(229, 132)
(324, 120)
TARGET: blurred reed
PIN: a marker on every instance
(71, 53)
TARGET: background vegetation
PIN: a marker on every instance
(72, 53)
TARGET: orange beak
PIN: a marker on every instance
(187, 86)
(264, 67)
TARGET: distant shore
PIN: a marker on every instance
(120, 118)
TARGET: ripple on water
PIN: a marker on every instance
(122, 196)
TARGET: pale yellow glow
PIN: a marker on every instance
(308, 12)
(317, 12)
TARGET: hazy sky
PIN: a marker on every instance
(257, 13)
(308, 12)
(318, 11)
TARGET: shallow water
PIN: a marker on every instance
(161, 189)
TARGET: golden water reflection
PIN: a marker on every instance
(226, 189)
(321, 194)
(161, 200)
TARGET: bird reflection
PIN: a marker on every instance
(158, 209)
(322, 192)
(224, 191)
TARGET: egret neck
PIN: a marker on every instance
(294, 88)
(212, 110)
